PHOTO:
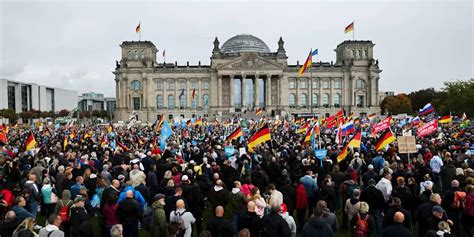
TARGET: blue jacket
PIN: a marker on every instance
(21, 213)
(310, 185)
(137, 195)
(75, 190)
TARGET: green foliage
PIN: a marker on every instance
(10, 114)
(459, 98)
(398, 104)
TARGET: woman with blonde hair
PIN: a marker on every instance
(259, 201)
(26, 228)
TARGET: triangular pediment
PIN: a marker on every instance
(250, 61)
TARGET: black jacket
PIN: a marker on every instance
(218, 198)
(390, 214)
(219, 227)
(373, 197)
(316, 227)
(278, 227)
(129, 211)
(77, 219)
(396, 230)
(251, 221)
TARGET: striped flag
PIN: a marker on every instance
(259, 137)
(258, 111)
(343, 154)
(385, 139)
(355, 141)
(236, 134)
(445, 119)
(138, 28)
(308, 62)
(30, 142)
(349, 28)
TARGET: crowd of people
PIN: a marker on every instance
(74, 176)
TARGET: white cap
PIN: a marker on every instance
(370, 167)
(184, 178)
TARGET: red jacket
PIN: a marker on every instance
(469, 208)
(301, 199)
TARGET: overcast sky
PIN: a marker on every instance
(74, 44)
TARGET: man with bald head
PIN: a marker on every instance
(218, 195)
(250, 220)
(424, 212)
(397, 229)
(452, 206)
(218, 225)
(9, 224)
(129, 213)
(112, 191)
(181, 215)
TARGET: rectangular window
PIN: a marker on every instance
(315, 84)
(360, 101)
(182, 85)
(170, 85)
(292, 84)
(303, 84)
(159, 85)
(205, 85)
(24, 98)
(194, 85)
(337, 84)
(136, 103)
(11, 97)
(326, 84)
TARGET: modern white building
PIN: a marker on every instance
(91, 101)
(23, 97)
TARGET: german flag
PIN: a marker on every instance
(303, 128)
(236, 134)
(343, 154)
(445, 119)
(72, 135)
(349, 28)
(198, 121)
(3, 137)
(103, 142)
(138, 28)
(188, 123)
(30, 142)
(355, 141)
(258, 111)
(259, 137)
(309, 133)
(385, 139)
(15, 124)
(110, 128)
(124, 148)
(307, 64)
(65, 142)
(158, 126)
(372, 116)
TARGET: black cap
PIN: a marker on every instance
(159, 196)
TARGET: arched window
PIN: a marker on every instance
(171, 102)
(205, 101)
(303, 99)
(303, 84)
(292, 100)
(195, 102)
(292, 84)
(337, 100)
(360, 84)
(136, 54)
(136, 85)
(182, 100)
(159, 85)
(315, 100)
(159, 102)
(326, 100)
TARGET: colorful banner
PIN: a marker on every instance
(427, 128)
(382, 125)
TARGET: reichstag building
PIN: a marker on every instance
(244, 74)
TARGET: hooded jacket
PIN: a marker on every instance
(51, 231)
(316, 227)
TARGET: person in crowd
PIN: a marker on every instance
(316, 226)
(160, 225)
(34, 197)
(375, 198)
(130, 213)
(218, 225)
(238, 204)
(396, 206)
(362, 223)
(52, 229)
(8, 224)
(116, 230)
(26, 228)
(329, 217)
(79, 219)
(353, 205)
(310, 184)
(397, 228)
(218, 195)
(19, 209)
(274, 225)
(182, 220)
(250, 220)
(109, 213)
(289, 219)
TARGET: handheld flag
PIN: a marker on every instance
(3, 137)
(349, 28)
(428, 108)
(259, 137)
(355, 141)
(30, 142)
(198, 121)
(385, 139)
(445, 119)
(236, 134)
(343, 154)
(258, 111)
(110, 128)
(65, 142)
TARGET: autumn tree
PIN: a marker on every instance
(398, 104)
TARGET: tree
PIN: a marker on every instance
(63, 113)
(85, 114)
(398, 104)
(96, 113)
(459, 98)
(422, 97)
(10, 114)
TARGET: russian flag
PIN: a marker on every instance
(348, 128)
(427, 109)
(415, 120)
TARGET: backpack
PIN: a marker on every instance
(459, 200)
(148, 218)
(362, 226)
(177, 223)
(64, 211)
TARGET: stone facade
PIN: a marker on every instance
(153, 89)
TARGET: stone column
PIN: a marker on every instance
(199, 93)
(219, 90)
(256, 102)
(331, 95)
(176, 93)
(188, 91)
(320, 92)
(165, 94)
(268, 91)
(117, 93)
(297, 96)
(231, 92)
(309, 84)
(243, 92)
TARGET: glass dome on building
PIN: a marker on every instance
(244, 43)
